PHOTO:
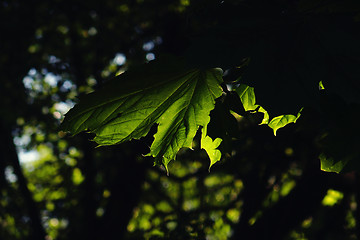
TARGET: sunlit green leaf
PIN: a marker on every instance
(247, 96)
(282, 121)
(248, 99)
(210, 146)
(177, 99)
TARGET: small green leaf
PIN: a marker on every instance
(248, 99)
(321, 86)
(176, 99)
(282, 121)
(210, 146)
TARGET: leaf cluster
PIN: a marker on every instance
(177, 100)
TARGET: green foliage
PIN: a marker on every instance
(172, 208)
(288, 52)
(165, 93)
(178, 101)
(248, 100)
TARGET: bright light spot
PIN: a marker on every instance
(28, 156)
(289, 151)
(188, 205)
(54, 222)
(148, 46)
(70, 161)
(62, 107)
(67, 85)
(53, 59)
(28, 81)
(150, 56)
(99, 212)
(121, 71)
(233, 215)
(92, 31)
(131, 227)
(91, 81)
(57, 115)
(105, 73)
(307, 222)
(20, 121)
(50, 206)
(287, 187)
(332, 197)
(32, 72)
(77, 176)
(48, 237)
(185, 2)
(9, 175)
(22, 141)
(51, 79)
(119, 59)
(171, 225)
(252, 221)
(106, 193)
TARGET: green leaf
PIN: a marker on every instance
(247, 96)
(248, 99)
(330, 165)
(176, 99)
(282, 121)
(210, 146)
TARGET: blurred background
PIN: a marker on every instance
(54, 186)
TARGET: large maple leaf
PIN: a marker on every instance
(178, 100)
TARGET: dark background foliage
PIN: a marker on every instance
(266, 187)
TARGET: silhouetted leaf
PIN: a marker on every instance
(340, 140)
(223, 125)
(328, 164)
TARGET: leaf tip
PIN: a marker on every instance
(166, 169)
